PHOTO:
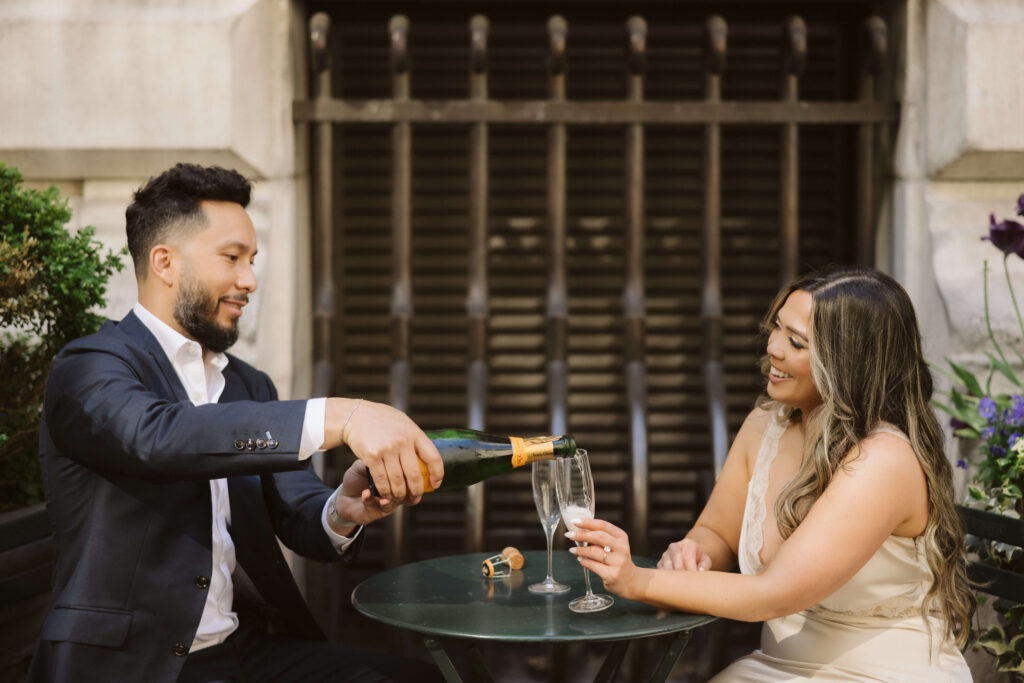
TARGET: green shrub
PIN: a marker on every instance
(50, 282)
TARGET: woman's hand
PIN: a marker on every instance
(686, 555)
(607, 556)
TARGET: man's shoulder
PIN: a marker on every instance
(111, 337)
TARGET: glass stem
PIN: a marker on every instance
(586, 580)
(550, 532)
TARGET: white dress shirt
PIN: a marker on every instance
(202, 375)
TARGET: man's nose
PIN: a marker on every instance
(247, 279)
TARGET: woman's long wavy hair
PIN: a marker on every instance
(867, 364)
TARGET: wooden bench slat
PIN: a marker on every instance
(24, 585)
(24, 526)
(1000, 528)
(993, 526)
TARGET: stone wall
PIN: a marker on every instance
(959, 157)
(99, 96)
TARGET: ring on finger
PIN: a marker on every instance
(607, 549)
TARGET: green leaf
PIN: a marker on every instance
(993, 639)
(1004, 368)
(967, 377)
(975, 492)
(1009, 661)
(968, 433)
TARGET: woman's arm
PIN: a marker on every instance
(715, 536)
(879, 487)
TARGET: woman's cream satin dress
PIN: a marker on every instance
(871, 629)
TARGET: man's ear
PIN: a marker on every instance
(163, 264)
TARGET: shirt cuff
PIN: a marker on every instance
(312, 439)
(340, 543)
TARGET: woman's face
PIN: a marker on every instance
(789, 379)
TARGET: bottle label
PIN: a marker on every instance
(534, 448)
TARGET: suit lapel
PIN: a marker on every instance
(131, 326)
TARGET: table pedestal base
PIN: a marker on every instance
(606, 674)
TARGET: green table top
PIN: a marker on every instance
(447, 596)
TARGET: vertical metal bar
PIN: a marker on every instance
(557, 308)
(634, 308)
(477, 304)
(556, 312)
(317, 581)
(323, 213)
(872, 58)
(711, 262)
(794, 57)
(401, 253)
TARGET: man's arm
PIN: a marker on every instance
(99, 412)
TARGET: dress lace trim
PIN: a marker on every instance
(885, 611)
(757, 490)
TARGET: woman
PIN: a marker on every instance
(836, 499)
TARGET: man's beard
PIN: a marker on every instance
(196, 311)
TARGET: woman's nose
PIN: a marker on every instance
(774, 347)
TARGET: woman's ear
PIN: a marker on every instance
(163, 264)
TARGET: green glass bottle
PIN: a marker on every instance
(470, 456)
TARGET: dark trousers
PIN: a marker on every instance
(251, 655)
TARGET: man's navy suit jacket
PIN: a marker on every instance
(127, 460)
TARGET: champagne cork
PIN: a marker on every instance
(502, 565)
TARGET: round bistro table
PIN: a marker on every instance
(447, 597)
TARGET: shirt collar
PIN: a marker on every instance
(172, 341)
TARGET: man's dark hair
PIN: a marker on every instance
(170, 202)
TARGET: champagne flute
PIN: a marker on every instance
(546, 500)
(574, 486)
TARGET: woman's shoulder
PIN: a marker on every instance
(755, 425)
(887, 449)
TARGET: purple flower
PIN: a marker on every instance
(1017, 409)
(987, 433)
(1020, 205)
(961, 463)
(987, 408)
(997, 451)
(1007, 236)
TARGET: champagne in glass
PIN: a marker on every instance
(574, 486)
(546, 500)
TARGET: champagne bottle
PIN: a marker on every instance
(470, 456)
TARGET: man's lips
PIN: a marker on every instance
(234, 306)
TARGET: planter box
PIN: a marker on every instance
(26, 564)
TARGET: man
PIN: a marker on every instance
(170, 467)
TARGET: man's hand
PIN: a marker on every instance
(355, 504)
(390, 444)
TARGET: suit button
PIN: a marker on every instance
(261, 443)
(251, 444)
(180, 650)
(202, 582)
(239, 444)
(272, 443)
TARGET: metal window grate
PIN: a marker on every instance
(581, 171)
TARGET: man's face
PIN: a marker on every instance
(216, 276)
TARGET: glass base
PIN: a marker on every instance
(549, 586)
(591, 603)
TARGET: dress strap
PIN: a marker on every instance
(752, 533)
(886, 428)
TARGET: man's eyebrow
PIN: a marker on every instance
(235, 244)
